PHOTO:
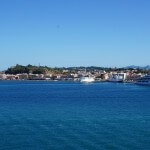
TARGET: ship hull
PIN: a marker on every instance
(115, 80)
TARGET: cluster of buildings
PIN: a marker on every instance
(97, 75)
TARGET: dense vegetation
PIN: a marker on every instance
(18, 69)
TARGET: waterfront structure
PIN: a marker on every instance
(3, 76)
(104, 76)
(36, 77)
(12, 77)
(23, 76)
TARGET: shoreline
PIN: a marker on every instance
(96, 81)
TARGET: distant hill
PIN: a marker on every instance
(136, 67)
(147, 67)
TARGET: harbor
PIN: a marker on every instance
(79, 74)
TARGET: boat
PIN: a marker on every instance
(117, 77)
(144, 80)
(87, 79)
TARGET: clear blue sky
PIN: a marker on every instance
(74, 32)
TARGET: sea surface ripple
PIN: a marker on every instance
(39, 115)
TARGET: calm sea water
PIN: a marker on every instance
(38, 115)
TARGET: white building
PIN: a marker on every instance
(3, 76)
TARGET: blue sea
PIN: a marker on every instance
(40, 115)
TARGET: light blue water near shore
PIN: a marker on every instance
(38, 115)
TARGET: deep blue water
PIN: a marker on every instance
(39, 115)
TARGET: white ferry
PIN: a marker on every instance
(144, 80)
(87, 79)
(117, 77)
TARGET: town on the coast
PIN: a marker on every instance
(87, 74)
